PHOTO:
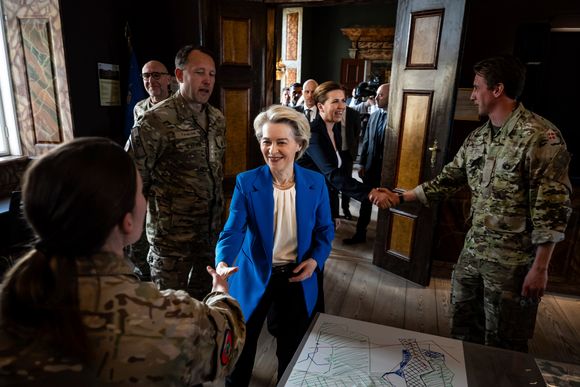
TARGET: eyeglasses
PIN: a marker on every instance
(154, 75)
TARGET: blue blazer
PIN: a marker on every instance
(247, 240)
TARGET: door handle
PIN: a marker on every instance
(434, 149)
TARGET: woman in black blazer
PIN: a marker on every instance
(322, 155)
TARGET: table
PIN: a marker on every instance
(341, 351)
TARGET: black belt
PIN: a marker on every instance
(283, 269)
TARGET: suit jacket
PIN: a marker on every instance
(371, 156)
(247, 238)
(301, 109)
(352, 130)
(321, 157)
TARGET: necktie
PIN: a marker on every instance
(308, 111)
(380, 134)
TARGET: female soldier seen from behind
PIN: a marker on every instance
(72, 311)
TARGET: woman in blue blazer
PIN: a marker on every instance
(277, 238)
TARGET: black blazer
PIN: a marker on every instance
(352, 130)
(321, 157)
(371, 152)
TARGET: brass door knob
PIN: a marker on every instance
(434, 149)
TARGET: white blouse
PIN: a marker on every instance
(285, 234)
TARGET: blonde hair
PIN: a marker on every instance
(279, 114)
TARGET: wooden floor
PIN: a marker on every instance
(357, 289)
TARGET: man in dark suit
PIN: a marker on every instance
(371, 160)
(350, 130)
(309, 108)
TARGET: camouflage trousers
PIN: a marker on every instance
(486, 304)
(183, 270)
(137, 253)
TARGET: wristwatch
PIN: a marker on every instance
(401, 198)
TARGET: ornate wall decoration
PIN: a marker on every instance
(371, 43)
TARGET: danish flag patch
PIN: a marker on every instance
(226, 348)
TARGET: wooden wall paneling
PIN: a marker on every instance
(424, 39)
(352, 72)
(236, 108)
(236, 42)
(35, 46)
(402, 233)
(414, 129)
(270, 79)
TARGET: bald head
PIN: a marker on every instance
(308, 92)
(158, 89)
(383, 95)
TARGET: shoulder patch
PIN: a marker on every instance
(226, 348)
(553, 138)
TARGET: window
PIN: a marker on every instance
(9, 140)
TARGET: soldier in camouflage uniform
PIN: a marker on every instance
(179, 147)
(73, 312)
(156, 80)
(516, 166)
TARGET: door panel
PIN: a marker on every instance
(239, 37)
(35, 47)
(352, 72)
(426, 51)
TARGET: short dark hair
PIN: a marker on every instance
(505, 69)
(320, 93)
(295, 85)
(183, 53)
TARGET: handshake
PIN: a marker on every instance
(384, 198)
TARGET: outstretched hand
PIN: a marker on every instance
(224, 270)
(219, 283)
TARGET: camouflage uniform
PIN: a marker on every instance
(140, 108)
(518, 177)
(181, 166)
(137, 334)
(138, 251)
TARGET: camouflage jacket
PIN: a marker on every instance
(182, 169)
(137, 334)
(520, 190)
(140, 108)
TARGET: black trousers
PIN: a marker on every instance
(347, 165)
(372, 178)
(284, 306)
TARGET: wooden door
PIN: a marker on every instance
(352, 72)
(425, 58)
(242, 35)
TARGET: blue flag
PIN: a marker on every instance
(135, 91)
